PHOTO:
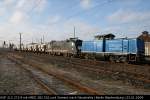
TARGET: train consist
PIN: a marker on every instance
(68, 48)
(104, 48)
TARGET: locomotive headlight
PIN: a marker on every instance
(72, 44)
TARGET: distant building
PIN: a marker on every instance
(145, 36)
(105, 36)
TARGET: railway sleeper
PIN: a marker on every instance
(76, 84)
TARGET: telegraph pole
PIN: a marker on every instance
(20, 40)
(32, 39)
(74, 31)
(43, 38)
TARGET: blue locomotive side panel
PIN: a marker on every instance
(99, 46)
(132, 46)
(113, 46)
(117, 46)
(125, 45)
(141, 46)
(136, 46)
(88, 46)
(92, 46)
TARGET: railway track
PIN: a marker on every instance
(40, 82)
(74, 83)
(137, 70)
(133, 76)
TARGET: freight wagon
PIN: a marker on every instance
(41, 47)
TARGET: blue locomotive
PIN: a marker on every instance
(118, 50)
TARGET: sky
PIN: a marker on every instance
(56, 19)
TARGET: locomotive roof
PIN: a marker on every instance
(105, 36)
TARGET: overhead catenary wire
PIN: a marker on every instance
(84, 11)
(76, 14)
(31, 10)
(34, 7)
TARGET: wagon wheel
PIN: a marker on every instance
(111, 59)
(65, 54)
(86, 56)
(123, 59)
(93, 57)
